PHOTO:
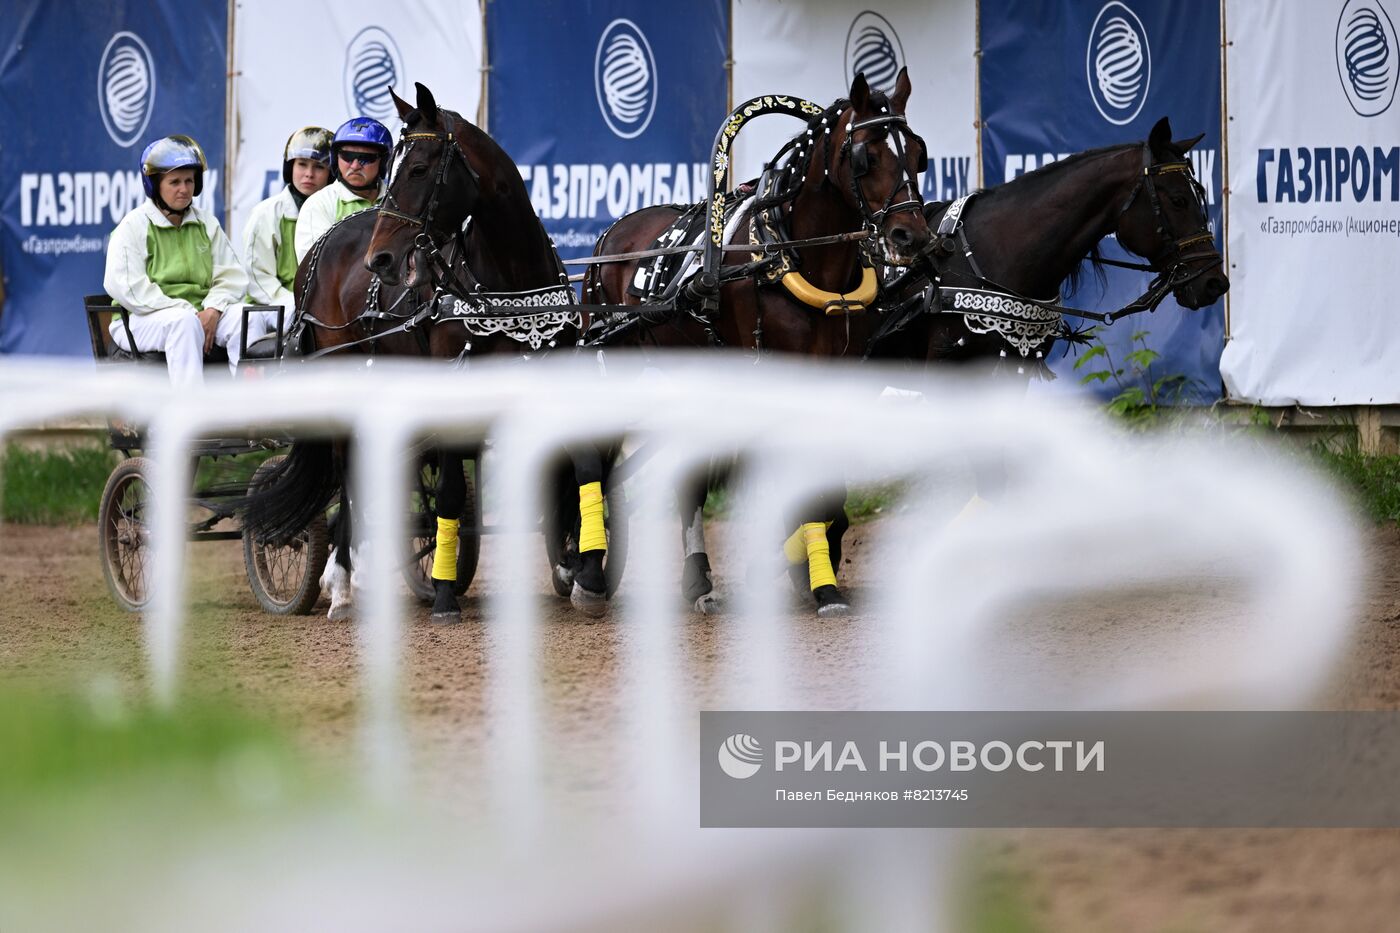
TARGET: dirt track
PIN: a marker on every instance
(60, 628)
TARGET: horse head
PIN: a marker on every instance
(1164, 220)
(433, 189)
(876, 161)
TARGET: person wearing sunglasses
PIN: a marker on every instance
(359, 166)
(170, 265)
(269, 241)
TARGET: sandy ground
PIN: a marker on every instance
(59, 628)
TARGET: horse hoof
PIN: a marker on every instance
(341, 612)
(445, 607)
(708, 605)
(588, 602)
(563, 579)
(830, 603)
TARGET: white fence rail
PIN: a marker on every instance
(1085, 511)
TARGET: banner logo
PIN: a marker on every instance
(740, 756)
(624, 76)
(1368, 58)
(372, 68)
(1118, 63)
(873, 48)
(126, 88)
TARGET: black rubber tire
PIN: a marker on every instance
(286, 579)
(423, 531)
(124, 535)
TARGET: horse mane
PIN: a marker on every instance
(1036, 181)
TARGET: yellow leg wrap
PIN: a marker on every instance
(795, 547)
(819, 570)
(591, 535)
(445, 558)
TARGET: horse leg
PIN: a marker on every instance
(590, 591)
(696, 584)
(811, 544)
(451, 497)
(335, 581)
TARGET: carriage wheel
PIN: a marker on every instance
(122, 525)
(563, 548)
(285, 576)
(423, 531)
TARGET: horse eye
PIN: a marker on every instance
(418, 171)
(1178, 200)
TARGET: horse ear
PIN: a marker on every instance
(902, 87)
(860, 93)
(1160, 139)
(426, 105)
(404, 107)
(1186, 145)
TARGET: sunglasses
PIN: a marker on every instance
(359, 158)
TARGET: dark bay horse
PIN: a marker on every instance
(1026, 237)
(387, 281)
(854, 168)
(1016, 244)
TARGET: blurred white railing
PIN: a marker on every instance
(1085, 509)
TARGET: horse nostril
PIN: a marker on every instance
(381, 261)
(1219, 286)
(901, 236)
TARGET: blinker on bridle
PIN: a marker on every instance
(858, 156)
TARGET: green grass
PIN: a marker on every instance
(60, 744)
(1374, 481)
(59, 486)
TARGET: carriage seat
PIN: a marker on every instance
(101, 309)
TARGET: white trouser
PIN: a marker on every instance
(179, 335)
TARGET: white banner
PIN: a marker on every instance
(1314, 209)
(324, 61)
(814, 48)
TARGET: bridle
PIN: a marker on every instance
(450, 151)
(1174, 263)
(858, 156)
(425, 242)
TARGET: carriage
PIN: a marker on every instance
(284, 576)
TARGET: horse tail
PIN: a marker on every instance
(293, 493)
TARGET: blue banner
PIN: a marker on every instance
(84, 88)
(607, 106)
(1059, 78)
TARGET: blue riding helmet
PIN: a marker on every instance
(309, 142)
(166, 155)
(363, 131)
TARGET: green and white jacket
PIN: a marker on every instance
(153, 265)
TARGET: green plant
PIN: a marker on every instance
(1142, 394)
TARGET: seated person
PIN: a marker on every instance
(359, 158)
(172, 267)
(269, 242)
